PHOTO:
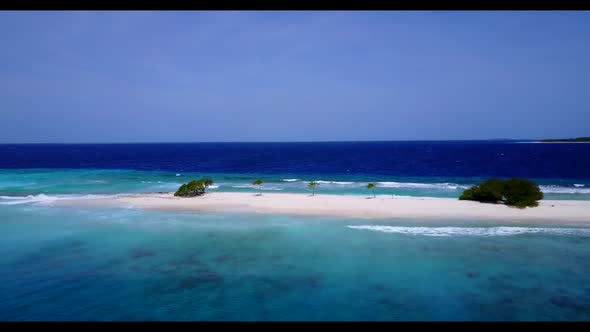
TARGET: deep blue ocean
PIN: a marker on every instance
(438, 169)
(71, 263)
(346, 159)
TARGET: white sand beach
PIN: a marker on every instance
(552, 211)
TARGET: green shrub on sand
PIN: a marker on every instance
(194, 188)
(514, 192)
(490, 191)
(522, 193)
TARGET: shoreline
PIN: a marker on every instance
(554, 142)
(345, 206)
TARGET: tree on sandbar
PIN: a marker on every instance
(312, 185)
(258, 183)
(194, 188)
(372, 187)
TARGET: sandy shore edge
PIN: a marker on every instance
(348, 206)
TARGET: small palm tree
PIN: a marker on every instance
(312, 185)
(372, 187)
(258, 183)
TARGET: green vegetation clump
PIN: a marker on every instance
(514, 192)
(578, 139)
(522, 193)
(194, 188)
(491, 191)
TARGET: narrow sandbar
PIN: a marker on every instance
(348, 206)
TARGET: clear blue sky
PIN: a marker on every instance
(292, 76)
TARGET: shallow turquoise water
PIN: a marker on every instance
(118, 264)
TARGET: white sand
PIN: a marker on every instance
(557, 211)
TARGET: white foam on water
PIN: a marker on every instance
(12, 197)
(436, 186)
(40, 198)
(413, 185)
(564, 190)
(448, 186)
(213, 187)
(249, 186)
(473, 231)
(334, 182)
(45, 199)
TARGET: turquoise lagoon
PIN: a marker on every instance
(122, 264)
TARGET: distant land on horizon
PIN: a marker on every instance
(557, 140)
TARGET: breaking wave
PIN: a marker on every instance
(403, 185)
(443, 186)
(436, 186)
(473, 231)
(249, 186)
(565, 190)
(44, 199)
(334, 182)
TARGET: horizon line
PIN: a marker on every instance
(237, 142)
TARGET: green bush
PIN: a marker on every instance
(194, 188)
(182, 191)
(489, 191)
(514, 192)
(522, 193)
(207, 182)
